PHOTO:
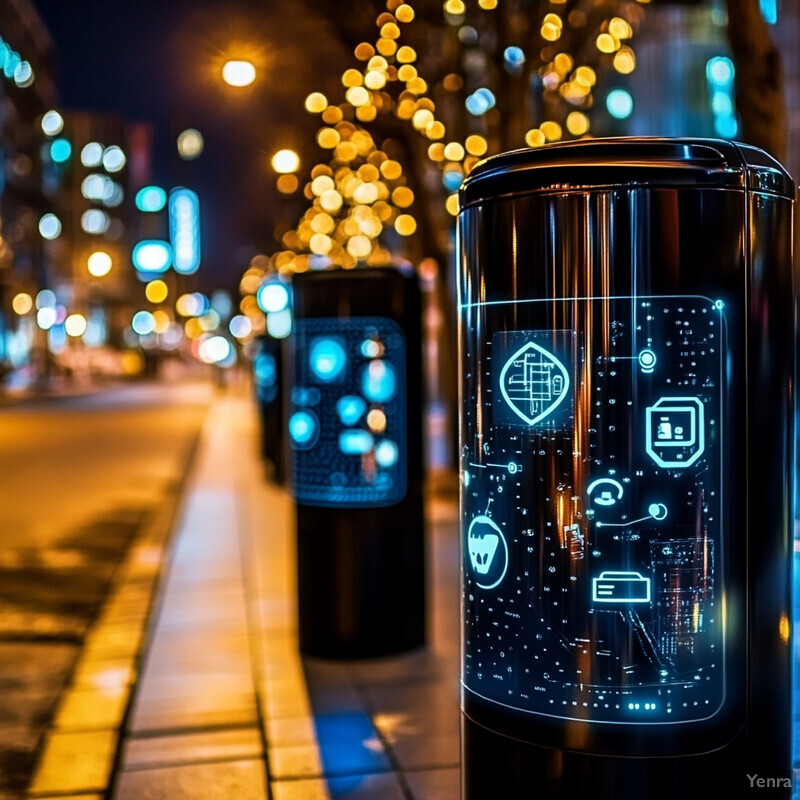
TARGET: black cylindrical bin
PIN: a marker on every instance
(626, 356)
(355, 428)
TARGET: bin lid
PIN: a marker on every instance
(627, 162)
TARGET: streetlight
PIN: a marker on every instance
(238, 73)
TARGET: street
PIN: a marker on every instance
(81, 476)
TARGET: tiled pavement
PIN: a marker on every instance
(218, 703)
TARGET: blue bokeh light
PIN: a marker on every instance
(327, 359)
(378, 381)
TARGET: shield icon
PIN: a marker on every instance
(534, 383)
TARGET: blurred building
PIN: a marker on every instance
(27, 182)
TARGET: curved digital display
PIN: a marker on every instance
(347, 422)
(592, 508)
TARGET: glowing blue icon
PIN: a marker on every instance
(378, 381)
(303, 429)
(647, 361)
(620, 587)
(355, 442)
(657, 511)
(327, 359)
(675, 434)
(350, 408)
(534, 383)
(610, 491)
(265, 369)
(719, 304)
(386, 453)
(487, 558)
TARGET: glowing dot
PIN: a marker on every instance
(285, 161)
(156, 291)
(404, 13)
(476, 145)
(577, 123)
(215, 350)
(454, 151)
(143, 322)
(92, 154)
(378, 381)
(316, 103)
(272, 296)
(451, 204)
(238, 73)
(113, 158)
(350, 408)
(624, 60)
(386, 453)
(359, 246)
(22, 303)
(50, 226)
(52, 123)
(287, 184)
(46, 317)
(60, 150)
(327, 359)
(46, 299)
(99, 263)
(606, 43)
(720, 70)
(95, 221)
(190, 144)
(376, 420)
(75, 325)
(355, 442)
(405, 225)
(619, 103)
(620, 28)
(279, 323)
(303, 428)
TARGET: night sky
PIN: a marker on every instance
(158, 61)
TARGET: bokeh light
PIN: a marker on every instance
(99, 263)
(238, 73)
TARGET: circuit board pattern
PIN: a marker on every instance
(592, 508)
(347, 422)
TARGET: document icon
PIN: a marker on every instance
(620, 587)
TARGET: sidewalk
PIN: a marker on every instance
(207, 697)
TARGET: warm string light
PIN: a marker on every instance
(361, 191)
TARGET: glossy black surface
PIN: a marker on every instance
(361, 571)
(649, 218)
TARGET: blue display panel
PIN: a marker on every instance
(347, 423)
(592, 508)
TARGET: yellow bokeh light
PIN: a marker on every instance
(316, 103)
(285, 161)
(402, 197)
(551, 130)
(407, 72)
(551, 27)
(406, 55)
(451, 204)
(22, 303)
(454, 151)
(331, 201)
(99, 264)
(405, 225)
(577, 123)
(563, 63)
(487, 5)
(435, 130)
(321, 184)
(331, 115)
(162, 320)
(619, 28)
(364, 51)
(156, 291)
(376, 420)
(75, 325)
(624, 60)
(357, 96)
(287, 184)
(375, 79)
(359, 246)
(606, 43)
(476, 145)
(417, 85)
(387, 47)
(366, 193)
(320, 244)
(421, 119)
(352, 77)
(391, 170)
(585, 76)
(534, 138)
(322, 223)
(404, 13)
(436, 152)
(345, 152)
(390, 31)
(366, 113)
(455, 7)
(328, 138)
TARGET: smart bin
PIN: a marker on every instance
(355, 430)
(626, 363)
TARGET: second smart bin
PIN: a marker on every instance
(355, 430)
(626, 352)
